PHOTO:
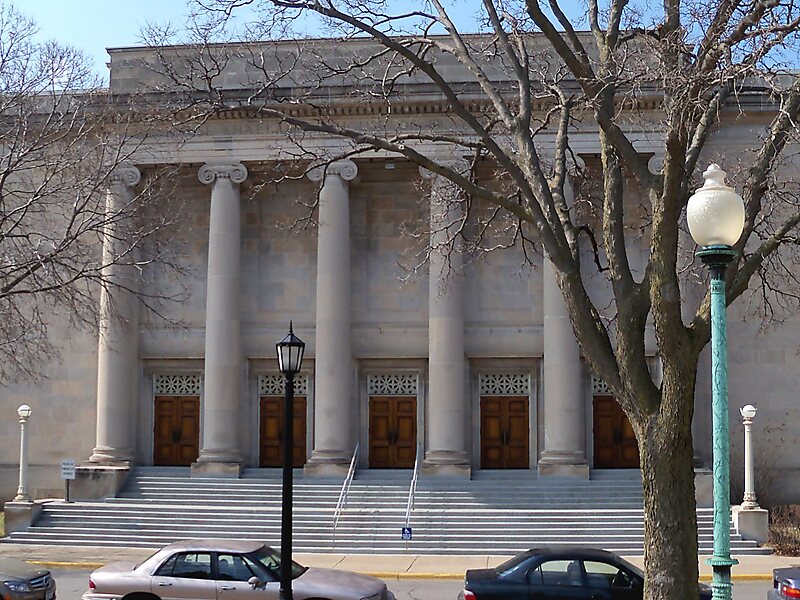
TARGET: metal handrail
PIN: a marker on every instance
(412, 489)
(345, 490)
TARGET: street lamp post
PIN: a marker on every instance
(715, 214)
(290, 359)
(749, 501)
(24, 412)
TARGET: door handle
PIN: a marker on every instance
(227, 587)
(164, 584)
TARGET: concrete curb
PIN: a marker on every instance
(379, 574)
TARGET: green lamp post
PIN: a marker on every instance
(715, 214)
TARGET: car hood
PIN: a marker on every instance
(340, 583)
(11, 568)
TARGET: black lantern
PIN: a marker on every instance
(290, 353)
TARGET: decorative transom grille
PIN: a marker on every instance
(177, 385)
(275, 385)
(504, 384)
(395, 384)
(599, 387)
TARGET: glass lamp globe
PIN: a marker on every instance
(748, 411)
(24, 411)
(715, 212)
(290, 353)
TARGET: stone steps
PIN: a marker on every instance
(450, 516)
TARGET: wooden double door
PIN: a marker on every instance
(392, 432)
(271, 431)
(615, 444)
(176, 430)
(505, 432)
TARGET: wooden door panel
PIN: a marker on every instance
(176, 430)
(271, 425)
(392, 432)
(615, 445)
(505, 432)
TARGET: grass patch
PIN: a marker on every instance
(784, 529)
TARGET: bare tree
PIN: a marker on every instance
(515, 98)
(62, 138)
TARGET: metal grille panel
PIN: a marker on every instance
(177, 385)
(504, 384)
(393, 384)
(275, 385)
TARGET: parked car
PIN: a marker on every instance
(560, 574)
(22, 581)
(785, 584)
(220, 569)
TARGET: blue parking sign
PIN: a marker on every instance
(406, 533)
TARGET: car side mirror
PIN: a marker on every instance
(255, 583)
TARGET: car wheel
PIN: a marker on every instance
(140, 596)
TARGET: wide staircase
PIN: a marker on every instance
(499, 512)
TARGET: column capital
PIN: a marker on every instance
(656, 163)
(125, 174)
(346, 169)
(210, 172)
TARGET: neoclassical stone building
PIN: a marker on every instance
(465, 364)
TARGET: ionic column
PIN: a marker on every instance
(333, 370)
(447, 401)
(118, 345)
(564, 452)
(219, 451)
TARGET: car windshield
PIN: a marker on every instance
(271, 560)
(632, 568)
(511, 565)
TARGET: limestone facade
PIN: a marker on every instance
(463, 364)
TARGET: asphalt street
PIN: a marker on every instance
(72, 583)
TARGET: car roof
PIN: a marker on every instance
(216, 545)
(575, 551)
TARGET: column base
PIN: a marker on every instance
(118, 457)
(328, 463)
(563, 464)
(20, 515)
(232, 470)
(751, 523)
(704, 488)
(446, 463)
(94, 481)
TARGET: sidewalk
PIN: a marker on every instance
(750, 568)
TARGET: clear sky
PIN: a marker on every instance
(94, 25)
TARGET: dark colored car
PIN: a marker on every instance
(560, 574)
(21, 581)
(785, 584)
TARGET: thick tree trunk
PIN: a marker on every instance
(670, 520)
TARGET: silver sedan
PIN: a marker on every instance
(225, 570)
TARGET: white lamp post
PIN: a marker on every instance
(749, 501)
(715, 214)
(24, 412)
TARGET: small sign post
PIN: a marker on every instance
(406, 534)
(67, 474)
